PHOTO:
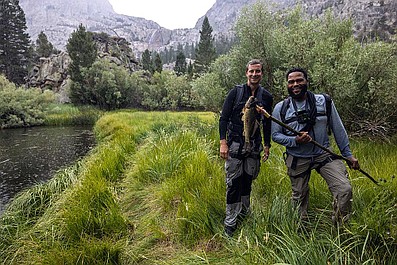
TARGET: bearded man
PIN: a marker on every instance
(307, 113)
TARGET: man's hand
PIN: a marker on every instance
(223, 149)
(303, 138)
(353, 163)
(266, 153)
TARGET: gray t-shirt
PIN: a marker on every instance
(318, 133)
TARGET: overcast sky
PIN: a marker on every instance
(170, 14)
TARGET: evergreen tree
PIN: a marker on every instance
(163, 55)
(44, 48)
(147, 60)
(83, 52)
(14, 42)
(205, 51)
(190, 70)
(172, 55)
(179, 48)
(180, 64)
(157, 63)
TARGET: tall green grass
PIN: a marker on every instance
(67, 114)
(181, 205)
(153, 192)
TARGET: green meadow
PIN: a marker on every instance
(153, 192)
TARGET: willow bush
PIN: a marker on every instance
(360, 76)
(20, 107)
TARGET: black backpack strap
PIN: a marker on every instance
(259, 97)
(239, 96)
(284, 108)
(311, 99)
(233, 129)
(328, 110)
(260, 94)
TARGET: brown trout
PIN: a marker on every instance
(250, 123)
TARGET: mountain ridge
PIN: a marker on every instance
(59, 18)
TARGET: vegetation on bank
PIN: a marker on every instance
(68, 114)
(20, 107)
(152, 192)
(358, 74)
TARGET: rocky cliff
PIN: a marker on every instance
(59, 18)
(371, 18)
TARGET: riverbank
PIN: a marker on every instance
(68, 114)
(152, 192)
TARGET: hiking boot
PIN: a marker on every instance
(229, 230)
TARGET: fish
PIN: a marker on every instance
(250, 123)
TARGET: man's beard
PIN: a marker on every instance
(301, 94)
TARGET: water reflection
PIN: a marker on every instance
(32, 155)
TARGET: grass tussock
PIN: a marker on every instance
(153, 192)
(65, 114)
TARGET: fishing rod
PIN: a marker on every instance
(267, 115)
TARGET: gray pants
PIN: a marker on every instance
(240, 172)
(334, 173)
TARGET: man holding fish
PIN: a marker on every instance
(241, 141)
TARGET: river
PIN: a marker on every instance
(32, 155)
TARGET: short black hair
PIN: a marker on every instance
(296, 69)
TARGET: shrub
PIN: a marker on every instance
(21, 107)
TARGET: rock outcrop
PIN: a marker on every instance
(52, 72)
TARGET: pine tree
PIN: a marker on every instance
(14, 42)
(172, 54)
(163, 55)
(180, 64)
(205, 51)
(44, 48)
(147, 60)
(157, 63)
(190, 71)
(83, 52)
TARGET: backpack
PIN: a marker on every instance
(328, 106)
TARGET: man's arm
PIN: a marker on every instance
(278, 135)
(224, 119)
(341, 137)
(339, 131)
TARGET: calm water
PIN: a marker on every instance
(30, 156)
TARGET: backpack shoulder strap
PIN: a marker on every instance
(239, 95)
(284, 108)
(260, 94)
(328, 101)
